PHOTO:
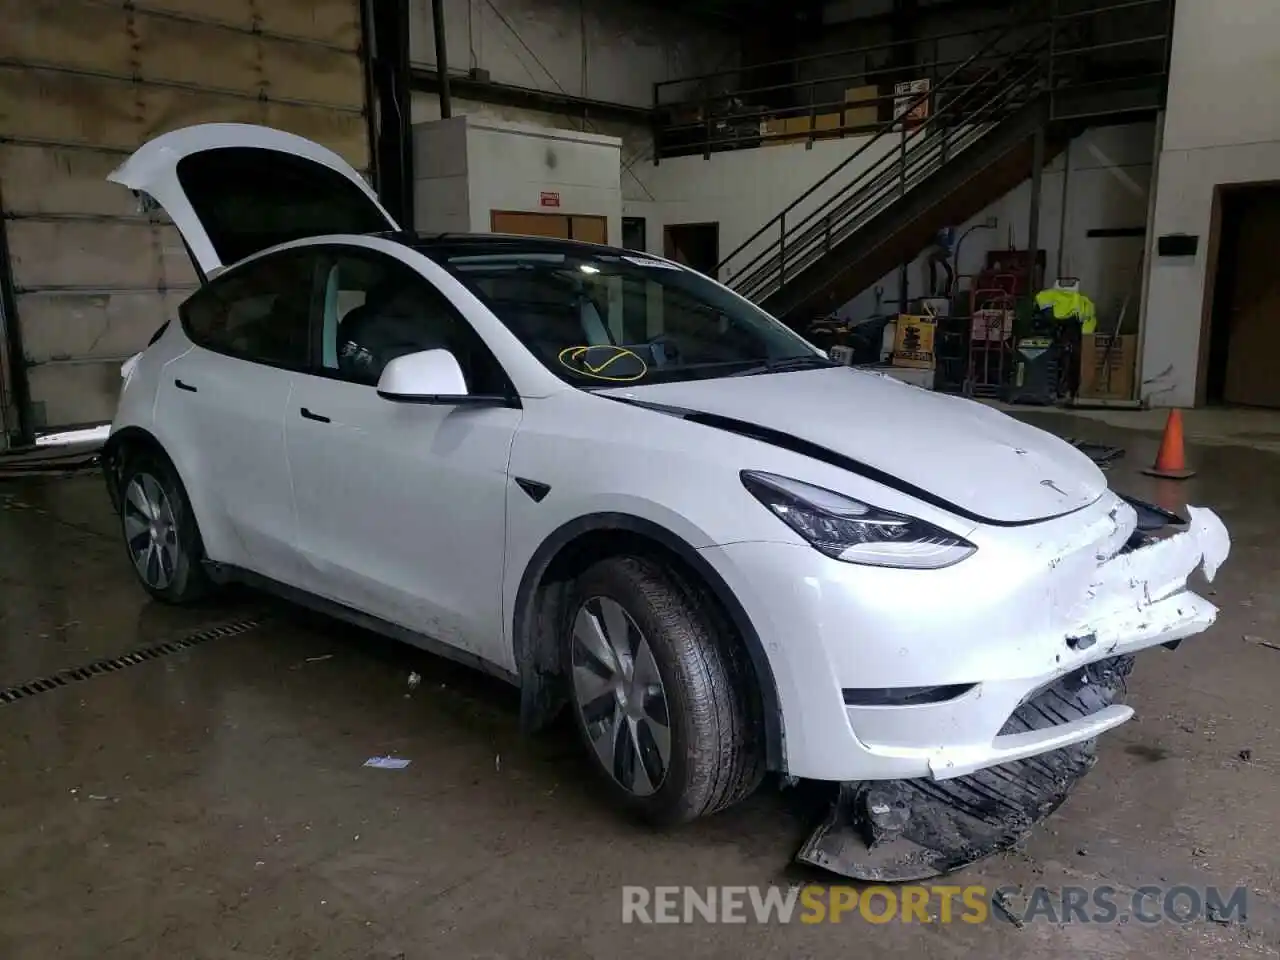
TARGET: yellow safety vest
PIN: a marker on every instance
(1067, 304)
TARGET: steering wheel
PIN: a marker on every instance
(669, 352)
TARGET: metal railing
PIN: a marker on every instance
(692, 123)
(963, 107)
(727, 109)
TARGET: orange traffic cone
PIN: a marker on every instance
(1171, 461)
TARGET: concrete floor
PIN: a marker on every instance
(213, 803)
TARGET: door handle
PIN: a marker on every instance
(185, 386)
(317, 417)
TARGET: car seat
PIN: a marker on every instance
(392, 322)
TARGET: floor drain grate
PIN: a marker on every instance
(107, 665)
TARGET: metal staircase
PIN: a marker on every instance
(882, 205)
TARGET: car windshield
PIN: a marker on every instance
(603, 318)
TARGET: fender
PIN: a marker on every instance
(111, 462)
(535, 669)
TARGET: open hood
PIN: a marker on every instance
(976, 460)
(234, 189)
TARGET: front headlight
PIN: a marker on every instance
(851, 530)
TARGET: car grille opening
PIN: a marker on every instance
(903, 696)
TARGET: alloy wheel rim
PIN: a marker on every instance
(150, 531)
(620, 696)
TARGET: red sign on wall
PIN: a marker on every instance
(549, 198)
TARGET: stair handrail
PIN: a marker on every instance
(885, 128)
(918, 160)
(923, 135)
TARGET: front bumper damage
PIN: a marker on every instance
(978, 801)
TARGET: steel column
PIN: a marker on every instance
(442, 57)
(1033, 225)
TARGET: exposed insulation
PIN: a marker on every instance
(75, 35)
(83, 83)
(105, 326)
(73, 394)
(84, 254)
(61, 180)
(324, 21)
(75, 109)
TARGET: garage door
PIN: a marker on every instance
(83, 83)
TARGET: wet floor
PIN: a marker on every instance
(213, 802)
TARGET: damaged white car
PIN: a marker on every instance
(622, 487)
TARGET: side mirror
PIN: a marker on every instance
(429, 376)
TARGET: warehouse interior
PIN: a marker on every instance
(1067, 213)
(692, 138)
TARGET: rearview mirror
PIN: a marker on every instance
(429, 376)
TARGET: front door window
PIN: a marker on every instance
(376, 309)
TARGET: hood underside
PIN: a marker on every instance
(959, 455)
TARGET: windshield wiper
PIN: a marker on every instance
(806, 362)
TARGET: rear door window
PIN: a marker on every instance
(259, 312)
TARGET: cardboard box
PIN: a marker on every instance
(862, 117)
(827, 121)
(796, 130)
(913, 341)
(773, 129)
(863, 109)
(856, 95)
(1112, 379)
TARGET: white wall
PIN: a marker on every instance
(1107, 187)
(509, 165)
(612, 50)
(441, 195)
(636, 139)
(467, 167)
(739, 189)
(1222, 125)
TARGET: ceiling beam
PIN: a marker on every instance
(466, 87)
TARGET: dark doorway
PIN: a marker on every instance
(696, 245)
(1244, 328)
(634, 236)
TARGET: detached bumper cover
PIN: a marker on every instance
(981, 799)
(903, 830)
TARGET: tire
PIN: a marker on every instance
(161, 538)
(706, 691)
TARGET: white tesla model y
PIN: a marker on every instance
(624, 488)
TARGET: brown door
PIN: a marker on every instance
(530, 224)
(589, 229)
(1253, 351)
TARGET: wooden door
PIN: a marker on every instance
(1253, 351)
(589, 229)
(530, 224)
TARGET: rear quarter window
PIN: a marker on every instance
(259, 312)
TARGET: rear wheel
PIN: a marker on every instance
(160, 532)
(663, 696)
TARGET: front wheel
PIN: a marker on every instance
(160, 532)
(663, 695)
